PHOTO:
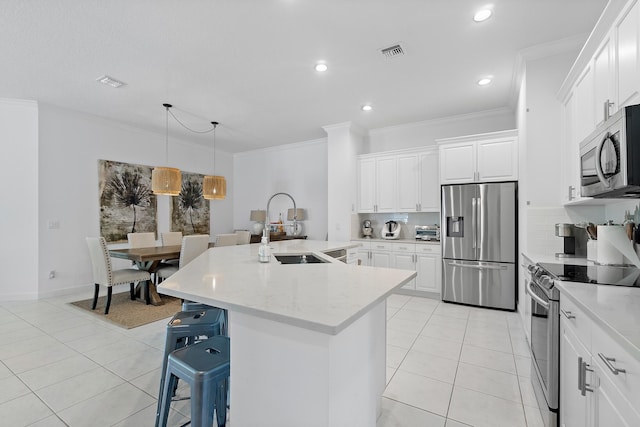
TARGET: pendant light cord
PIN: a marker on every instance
(166, 147)
(214, 124)
(188, 128)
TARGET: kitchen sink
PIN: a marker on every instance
(299, 259)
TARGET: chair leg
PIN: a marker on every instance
(95, 297)
(132, 291)
(145, 289)
(109, 291)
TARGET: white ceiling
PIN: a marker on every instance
(249, 63)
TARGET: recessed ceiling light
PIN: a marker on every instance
(482, 15)
(321, 67)
(484, 81)
(366, 107)
(110, 81)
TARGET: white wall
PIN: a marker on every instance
(419, 134)
(298, 169)
(19, 217)
(70, 145)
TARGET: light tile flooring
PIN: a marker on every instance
(447, 365)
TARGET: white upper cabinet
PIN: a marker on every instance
(479, 158)
(584, 105)
(604, 98)
(408, 182)
(627, 32)
(403, 182)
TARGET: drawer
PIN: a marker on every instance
(577, 320)
(381, 246)
(403, 247)
(423, 248)
(628, 382)
(364, 244)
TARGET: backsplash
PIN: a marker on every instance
(408, 221)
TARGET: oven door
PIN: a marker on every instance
(545, 342)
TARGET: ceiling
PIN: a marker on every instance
(249, 64)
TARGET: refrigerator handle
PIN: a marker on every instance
(474, 219)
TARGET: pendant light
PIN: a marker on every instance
(214, 187)
(166, 180)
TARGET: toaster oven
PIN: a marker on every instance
(428, 232)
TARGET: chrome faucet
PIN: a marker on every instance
(295, 214)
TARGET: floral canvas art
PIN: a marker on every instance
(190, 210)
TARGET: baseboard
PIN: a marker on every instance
(414, 293)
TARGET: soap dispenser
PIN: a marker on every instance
(264, 251)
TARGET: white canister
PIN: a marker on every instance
(608, 254)
(592, 250)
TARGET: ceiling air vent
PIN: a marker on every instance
(392, 51)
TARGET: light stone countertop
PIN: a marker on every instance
(420, 242)
(615, 309)
(324, 297)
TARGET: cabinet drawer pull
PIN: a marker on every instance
(582, 377)
(607, 361)
(567, 314)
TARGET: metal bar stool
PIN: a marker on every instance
(205, 367)
(191, 306)
(186, 327)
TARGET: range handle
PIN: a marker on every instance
(535, 297)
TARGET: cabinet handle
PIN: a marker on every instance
(607, 361)
(571, 188)
(582, 377)
(567, 314)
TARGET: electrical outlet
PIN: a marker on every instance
(53, 224)
(52, 274)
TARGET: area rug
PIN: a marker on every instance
(130, 314)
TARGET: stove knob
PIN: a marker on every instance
(546, 281)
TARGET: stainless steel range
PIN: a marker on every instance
(545, 322)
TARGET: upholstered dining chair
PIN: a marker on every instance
(192, 246)
(226, 239)
(104, 275)
(171, 238)
(141, 240)
(244, 237)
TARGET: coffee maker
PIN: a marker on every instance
(367, 229)
(575, 241)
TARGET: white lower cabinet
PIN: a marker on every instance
(425, 259)
(599, 380)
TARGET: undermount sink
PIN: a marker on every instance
(299, 259)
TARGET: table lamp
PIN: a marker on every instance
(260, 216)
(300, 215)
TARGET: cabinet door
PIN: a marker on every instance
(627, 58)
(583, 99)
(573, 406)
(366, 185)
(497, 159)
(405, 261)
(603, 81)
(611, 407)
(381, 259)
(429, 200)
(429, 273)
(457, 163)
(570, 154)
(386, 184)
(408, 176)
(364, 257)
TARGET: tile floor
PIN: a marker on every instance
(447, 365)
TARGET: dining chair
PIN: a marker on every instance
(171, 238)
(141, 240)
(244, 237)
(226, 239)
(105, 275)
(192, 246)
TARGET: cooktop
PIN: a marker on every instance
(596, 274)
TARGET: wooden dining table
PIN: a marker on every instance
(148, 259)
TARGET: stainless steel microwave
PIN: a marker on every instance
(428, 232)
(610, 157)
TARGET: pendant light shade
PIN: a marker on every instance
(214, 187)
(166, 180)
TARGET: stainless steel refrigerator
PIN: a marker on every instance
(479, 246)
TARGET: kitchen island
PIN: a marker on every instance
(308, 341)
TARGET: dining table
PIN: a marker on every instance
(148, 259)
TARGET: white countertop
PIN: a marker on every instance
(616, 309)
(325, 297)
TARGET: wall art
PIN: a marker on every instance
(189, 210)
